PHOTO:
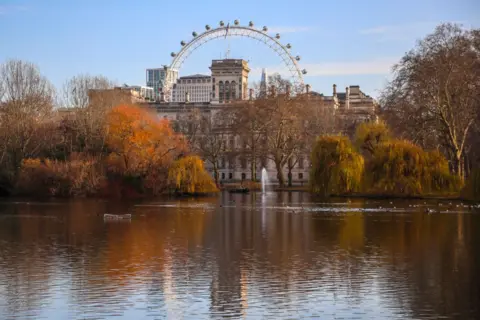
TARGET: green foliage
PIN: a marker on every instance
(401, 167)
(188, 175)
(472, 187)
(369, 135)
(336, 166)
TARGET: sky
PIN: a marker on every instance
(342, 42)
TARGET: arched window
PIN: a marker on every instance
(221, 91)
(227, 91)
(233, 90)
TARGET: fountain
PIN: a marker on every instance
(264, 180)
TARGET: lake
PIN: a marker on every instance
(242, 256)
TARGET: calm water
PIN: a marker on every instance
(285, 255)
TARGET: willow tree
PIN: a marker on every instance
(336, 166)
(188, 175)
(403, 168)
(434, 97)
(369, 135)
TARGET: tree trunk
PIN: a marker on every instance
(289, 176)
(253, 168)
(458, 165)
(215, 173)
(281, 179)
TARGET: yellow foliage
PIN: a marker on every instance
(369, 135)
(336, 166)
(401, 167)
(188, 175)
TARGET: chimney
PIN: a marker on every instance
(250, 92)
(347, 98)
(307, 87)
(187, 97)
(334, 90)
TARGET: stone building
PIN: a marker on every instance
(194, 88)
(227, 86)
(230, 80)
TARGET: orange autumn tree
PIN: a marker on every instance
(141, 145)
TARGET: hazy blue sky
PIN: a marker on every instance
(343, 42)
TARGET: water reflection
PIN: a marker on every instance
(241, 256)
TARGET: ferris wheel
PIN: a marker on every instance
(237, 30)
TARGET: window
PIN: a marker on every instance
(300, 163)
(230, 176)
(244, 176)
(222, 163)
(223, 175)
(300, 176)
(233, 90)
(227, 91)
(221, 91)
(243, 162)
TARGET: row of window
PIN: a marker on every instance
(244, 176)
(244, 163)
(228, 90)
(194, 81)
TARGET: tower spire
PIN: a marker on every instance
(264, 83)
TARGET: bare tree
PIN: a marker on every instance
(76, 91)
(206, 136)
(433, 98)
(25, 109)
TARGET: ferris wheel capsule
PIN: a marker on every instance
(194, 34)
(182, 43)
(304, 71)
(207, 27)
(297, 58)
(277, 36)
(236, 22)
(289, 46)
(265, 29)
(250, 24)
(173, 54)
(222, 23)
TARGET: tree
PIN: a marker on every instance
(401, 167)
(188, 175)
(206, 136)
(26, 106)
(77, 89)
(369, 135)
(336, 166)
(89, 99)
(142, 146)
(433, 98)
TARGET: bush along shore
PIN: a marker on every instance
(379, 166)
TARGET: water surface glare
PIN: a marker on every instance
(240, 256)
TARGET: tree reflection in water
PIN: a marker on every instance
(249, 257)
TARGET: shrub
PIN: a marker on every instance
(336, 166)
(60, 178)
(188, 175)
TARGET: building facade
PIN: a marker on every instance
(139, 92)
(160, 79)
(229, 80)
(194, 88)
